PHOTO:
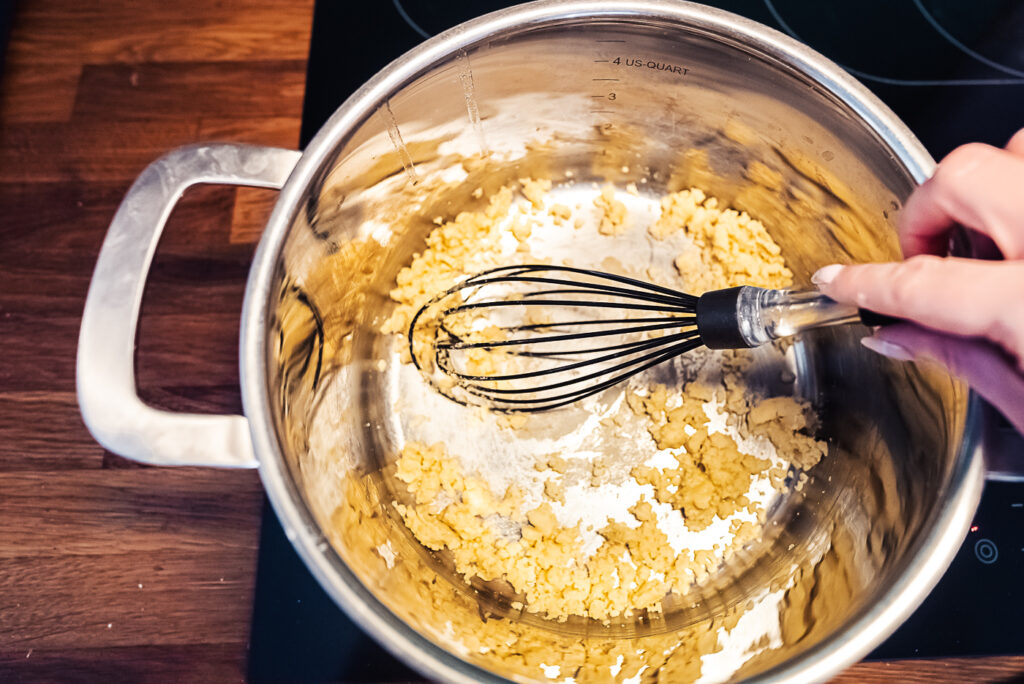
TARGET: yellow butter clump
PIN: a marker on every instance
(729, 247)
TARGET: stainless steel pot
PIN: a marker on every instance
(611, 91)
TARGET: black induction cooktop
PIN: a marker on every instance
(952, 70)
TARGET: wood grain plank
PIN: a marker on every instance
(150, 30)
(203, 348)
(200, 225)
(175, 349)
(36, 355)
(180, 285)
(111, 512)
(175, 91)
(154, 596)
(31, 92)
(101, 150)
(62, 218)
(52, 39)
(44, 430)
(47, 253)
(278, 131)
(137, 664)
(936, 671)
(251, 211)
(46, 260)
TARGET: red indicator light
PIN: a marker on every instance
(974, 528)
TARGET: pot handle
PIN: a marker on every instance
(105, 370)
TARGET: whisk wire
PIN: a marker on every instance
(542, 404)
(561, 367)
(643, 345)
(555, 338)
(515, 271)
(678, 308)
(600, 321)
(628, 347)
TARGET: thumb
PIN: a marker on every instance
(981, 364)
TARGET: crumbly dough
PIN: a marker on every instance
(468, 243)
(492, 536)
(783, 420)
(713, 474)
(613, 212)
(508, 644)
(729, 247)
(535, 190)
(633, 570)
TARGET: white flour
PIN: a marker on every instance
(738, 645)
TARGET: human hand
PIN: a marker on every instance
(967, 314)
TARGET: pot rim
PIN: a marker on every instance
(932, 553)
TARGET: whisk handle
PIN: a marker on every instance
(740, 317)
(875, 320)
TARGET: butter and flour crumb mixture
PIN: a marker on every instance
(729, 247)
(607, 535)
(471, 242)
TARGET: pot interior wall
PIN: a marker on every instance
(616, 100)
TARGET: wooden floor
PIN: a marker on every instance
(111, 571)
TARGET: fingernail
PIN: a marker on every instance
(889, 349)
(826, 274)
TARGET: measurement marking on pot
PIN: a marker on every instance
(468, 92)
(644, 62)
(396, 140)
(1017, 505)
(599, 109)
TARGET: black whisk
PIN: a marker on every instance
(536, 337)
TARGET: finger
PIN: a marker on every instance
(1016, 144)
(980, 364)
(958, 296)
(977, 186)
